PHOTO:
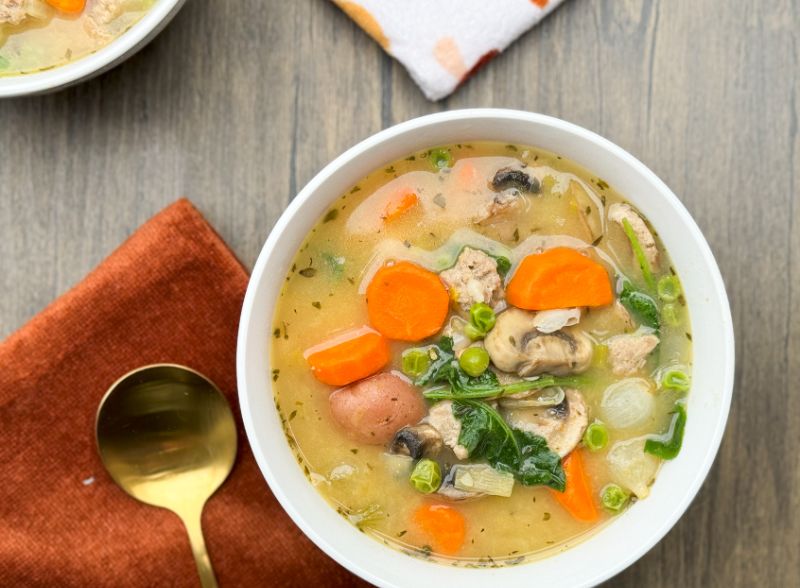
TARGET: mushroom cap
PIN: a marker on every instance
(516, 345)
(562, 426)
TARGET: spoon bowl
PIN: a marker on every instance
(167, 437)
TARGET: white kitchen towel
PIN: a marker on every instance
(442, 42)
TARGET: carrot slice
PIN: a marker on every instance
(578, 496)
(444, 525)
(467, 175)
(398, 204)
(349, 356)
(407, 302)
(559, 278)
(69, 6)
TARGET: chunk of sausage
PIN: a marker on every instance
(473, 278)
(627, 353)
(373, 410)
(620, 212)
(12, 12)
(442, 419)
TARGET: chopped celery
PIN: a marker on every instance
(482, 316)
(426, 476)
(596, 436)
(415, 362)
(600, 355)
(638, 252)
(669, 288)
(670, 314)
(484, 479)
(676, 380)
(614, 498)
(441, 158)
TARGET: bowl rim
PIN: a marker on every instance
(104, 58)
(726, 354)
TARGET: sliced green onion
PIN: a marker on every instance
(600, 355)
(638, 252)
(669, 446)
(482, 316)
(426, 476)
(474, 361)
(614, 498)
(441, 158)
(415, 362)
(670, 314)
(596, 436)
(676, 380)
(669, 288)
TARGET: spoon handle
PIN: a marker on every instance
(193, 526)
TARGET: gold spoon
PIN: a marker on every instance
(167, 436)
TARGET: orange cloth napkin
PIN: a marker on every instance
(170, 293)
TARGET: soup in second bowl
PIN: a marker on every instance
(481, 354)
(41, 34)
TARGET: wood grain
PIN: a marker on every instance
(237, 105)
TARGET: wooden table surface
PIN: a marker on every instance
(238, 104)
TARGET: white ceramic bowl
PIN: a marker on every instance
(96, 63)
(620, 543)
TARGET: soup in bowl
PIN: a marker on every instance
(480, 353)
(48, 44)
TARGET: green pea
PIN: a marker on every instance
(482, 317)
(415, 362)
(614, 498)
(426, 476)
(596, 436)
(441, 158)
(474, 361)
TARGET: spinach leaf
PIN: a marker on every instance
(462, 383)
(487, 436)
(444, 369)
(641, 305)
(442, 357)
(539, 466)
(669, 447)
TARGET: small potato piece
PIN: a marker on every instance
(373, 410)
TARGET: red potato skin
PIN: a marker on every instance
(373, 410)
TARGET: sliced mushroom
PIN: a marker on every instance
(509, 177)
(550, 321)
(620, 212)
(516, 345)
(534, 398)
(562, 426)
(418, 441)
